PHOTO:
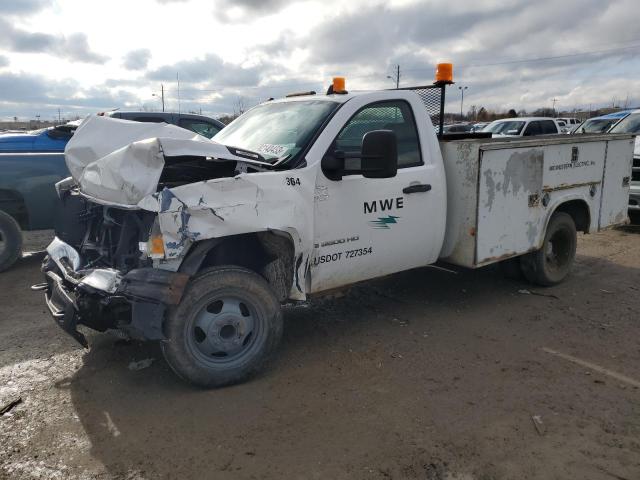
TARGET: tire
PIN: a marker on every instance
(225, 329)
(510, 268)
(552, 263)
(10, 241)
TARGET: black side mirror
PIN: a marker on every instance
(379, 154)
(378, 158)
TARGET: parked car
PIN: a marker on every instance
(602, 123)
(478, 126)
(458, 128)
(563, 126)
(570, 122)
(631, 124)
(205, 126)
(523, 127)
(50, 139)
(32, 162)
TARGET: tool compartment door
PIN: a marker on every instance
(616, 182)
(520, 186)
(509, 187)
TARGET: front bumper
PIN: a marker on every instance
(104, 299)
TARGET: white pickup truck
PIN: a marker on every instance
(196, 243)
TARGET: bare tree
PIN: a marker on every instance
(239, 106)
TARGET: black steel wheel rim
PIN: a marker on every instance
(224, 329)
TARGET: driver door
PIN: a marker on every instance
(370, 227)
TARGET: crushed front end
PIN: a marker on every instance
(98, 273)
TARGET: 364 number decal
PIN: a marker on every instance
(293, 181)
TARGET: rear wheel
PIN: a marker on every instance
(10, 241)
(552, 263)
(225, 328)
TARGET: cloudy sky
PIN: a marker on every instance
(83, 56)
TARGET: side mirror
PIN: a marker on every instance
(379, 154)
(378, 158)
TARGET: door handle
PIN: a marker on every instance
(417, 188)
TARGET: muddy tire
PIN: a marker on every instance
(225, 328)
(10, 241)
(552, 263)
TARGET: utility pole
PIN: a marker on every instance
(397, 76)
(554, 107)
(462, 89)
(59, 118)
(178, 82)
(161, 95)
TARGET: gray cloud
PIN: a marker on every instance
(249, 9)
(137, 59)
(485, 40)
(22, 7)
(28, 88)
(210, 69)
(4, 61)
(73, 47)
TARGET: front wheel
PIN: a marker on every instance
(552, 263)
(225, 328)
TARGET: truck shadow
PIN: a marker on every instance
(337, 357)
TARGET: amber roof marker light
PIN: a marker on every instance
(444, 74)
(337, 86)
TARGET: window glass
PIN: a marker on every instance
(548, 127)
(595, 125)
(395, 116)
(532, 129)
(629, 124)
(278, 129)
(203, 128)
(149, 119)
(511, 127)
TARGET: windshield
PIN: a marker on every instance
(513, 127)
(595, 125)
(629, 124)
(277, 130)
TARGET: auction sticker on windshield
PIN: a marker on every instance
(271, 149)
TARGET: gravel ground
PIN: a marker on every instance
(425, 374)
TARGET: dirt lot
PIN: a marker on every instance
(425, 374)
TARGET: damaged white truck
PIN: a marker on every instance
(196, 243)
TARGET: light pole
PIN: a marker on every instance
(162, 95)
(397, 76)
(462, 89)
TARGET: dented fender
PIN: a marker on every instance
(246, 203)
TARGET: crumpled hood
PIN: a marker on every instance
(120, 161)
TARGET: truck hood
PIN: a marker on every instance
(120, 161)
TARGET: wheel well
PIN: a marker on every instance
(579, 211)
(270, 254)
(12, 203)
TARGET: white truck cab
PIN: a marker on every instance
(196, 242)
